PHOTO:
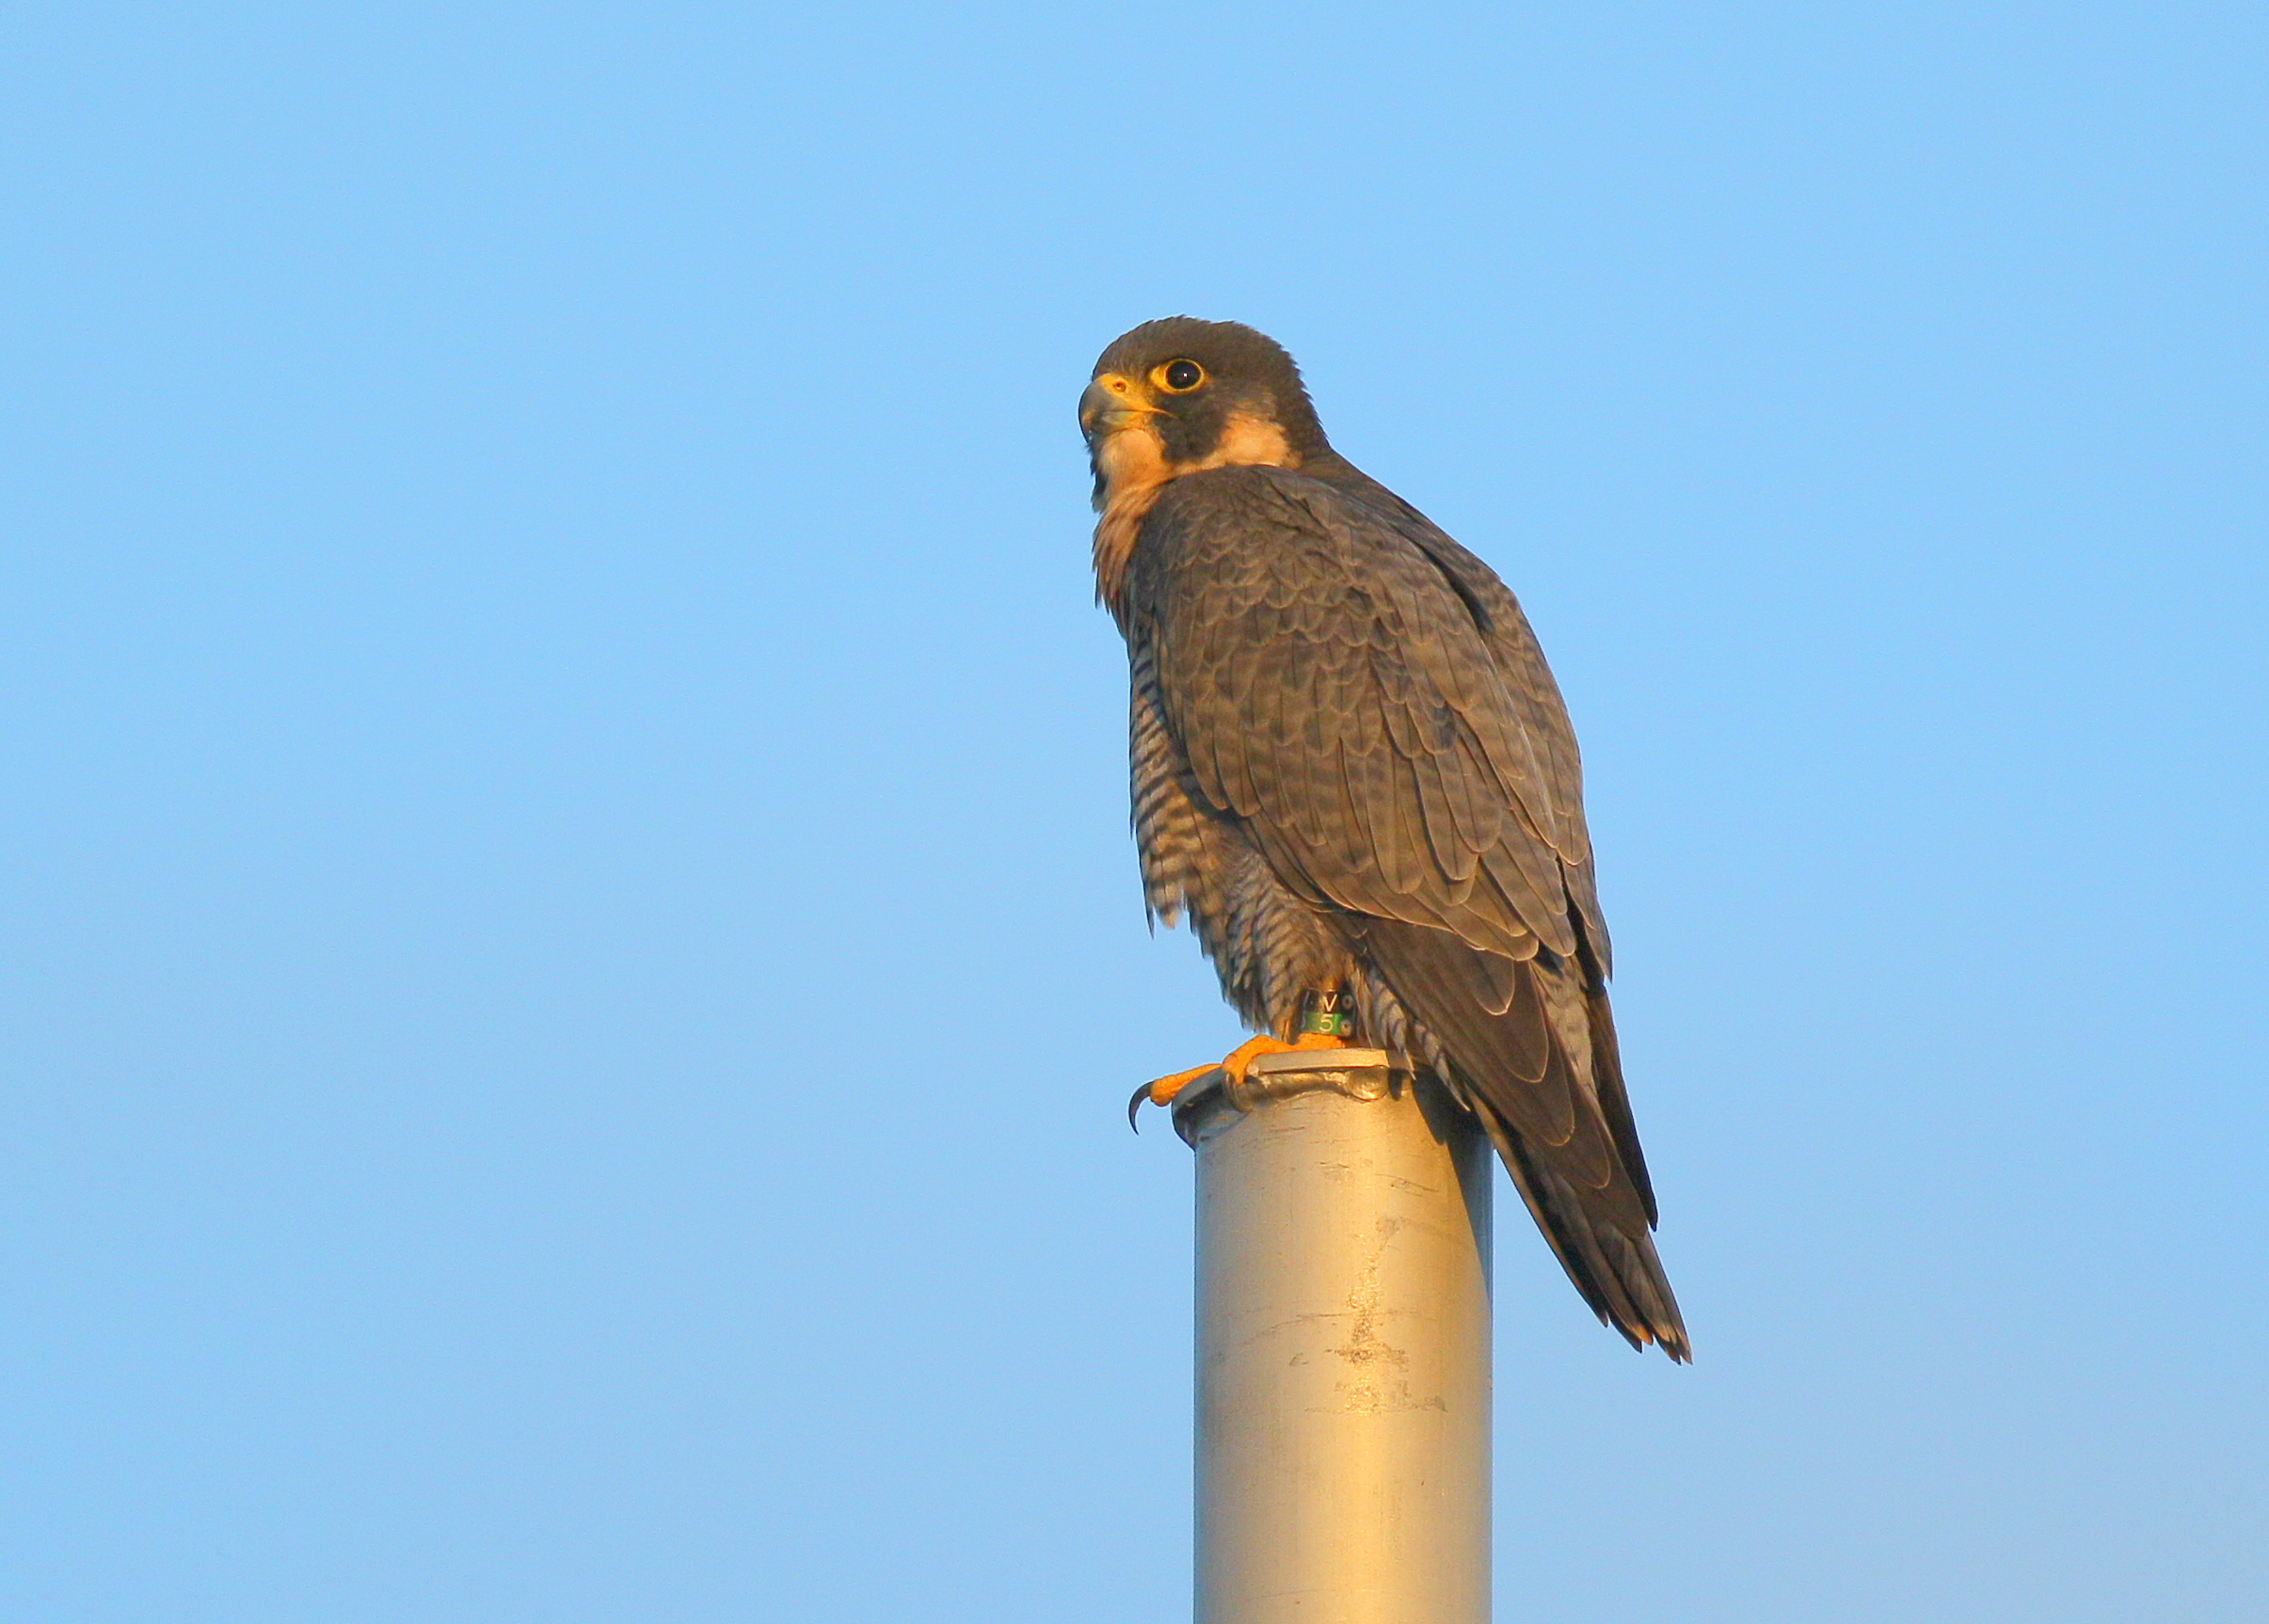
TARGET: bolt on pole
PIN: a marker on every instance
(1343, 1345)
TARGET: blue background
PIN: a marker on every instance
(572, 951)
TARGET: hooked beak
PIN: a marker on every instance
(1110, 402)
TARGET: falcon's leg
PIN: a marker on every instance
(1234, 1063)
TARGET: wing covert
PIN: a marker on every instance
(1331, 686)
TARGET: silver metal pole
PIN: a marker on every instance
(1343, 1248)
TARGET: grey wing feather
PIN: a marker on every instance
(1327, 685)
(1366, 699)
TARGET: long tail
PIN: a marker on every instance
(1530, 1048)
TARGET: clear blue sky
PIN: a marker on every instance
(572, 951)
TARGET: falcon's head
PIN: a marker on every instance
(1180, 395)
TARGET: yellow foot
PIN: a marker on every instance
(1235, 1064)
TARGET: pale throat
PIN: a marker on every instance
(1133, 469)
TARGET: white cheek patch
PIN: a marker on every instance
(1132, 458)
(1249, 441)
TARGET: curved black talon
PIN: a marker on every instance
(1140, 1096)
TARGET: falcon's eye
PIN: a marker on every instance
(1179, 377)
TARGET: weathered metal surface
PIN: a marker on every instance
(1343, 1347)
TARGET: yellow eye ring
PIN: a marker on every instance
(1178, 378)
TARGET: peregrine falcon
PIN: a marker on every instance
(1355, 777)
